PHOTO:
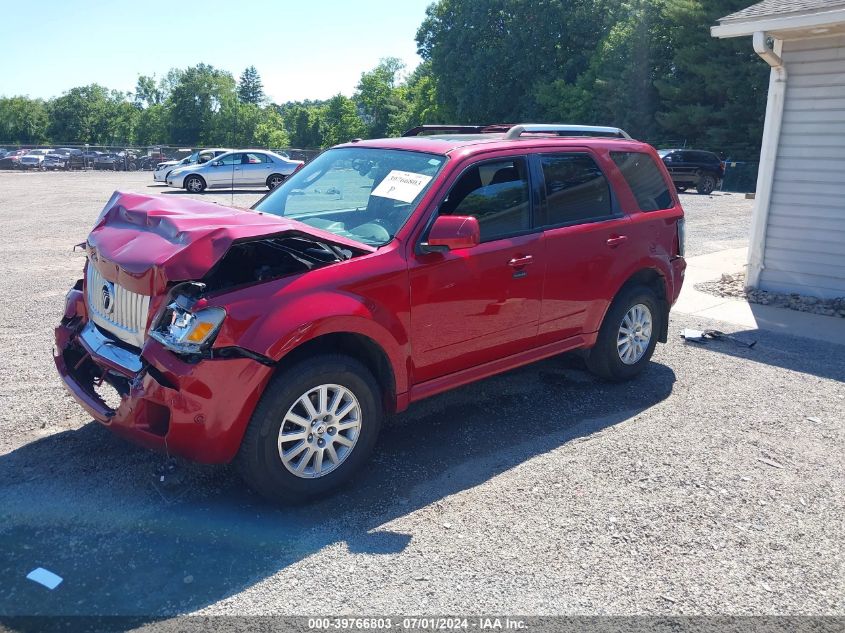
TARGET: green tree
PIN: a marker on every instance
(152, 125)
(250, 88)
(23, 120)
(714, 95)
(198, 97)
(341, 122)
(88, 114)
(420, 93)
(303, 122)
(380, 99)
(488, 56)
(148, 92)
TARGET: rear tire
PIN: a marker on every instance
(274, 180)
(269, 463)
(628, 335)
(194, 184)
(706, 184)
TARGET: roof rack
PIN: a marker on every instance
(565, 130)
(512, 131)
(448, 129)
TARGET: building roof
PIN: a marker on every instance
(785, 19)
(770, 8)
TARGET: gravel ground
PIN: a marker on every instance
(716, 222)
(712, 484)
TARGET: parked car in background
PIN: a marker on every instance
(34, 159)
(149, 162)
(116, 161)
(60, 158)
(199, 157)
(84, 160)
(12, 158)
(693, 168)
(240, 168)
(383, 272)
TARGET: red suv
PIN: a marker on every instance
(383, 272)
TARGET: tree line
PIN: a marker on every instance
(648, 66)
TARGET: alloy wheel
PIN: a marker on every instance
(634, 335)
(319, 431)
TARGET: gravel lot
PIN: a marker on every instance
(717, 222)
(713, 484)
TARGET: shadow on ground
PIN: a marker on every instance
(89, 507)
(805, 355)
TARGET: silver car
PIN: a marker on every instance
(240, 168)
(163, 169)
(34, 160)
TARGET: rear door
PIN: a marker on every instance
(255, 169)
(476, 305)
(587, 243)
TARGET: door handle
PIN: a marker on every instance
(519, 262)
(616, 240)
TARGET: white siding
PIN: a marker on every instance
(805, 235)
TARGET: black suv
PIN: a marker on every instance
(693, 168)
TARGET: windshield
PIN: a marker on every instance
(360, 193)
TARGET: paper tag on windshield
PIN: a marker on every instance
(401, 185)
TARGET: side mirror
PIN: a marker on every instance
(450, 232)
(217, 163)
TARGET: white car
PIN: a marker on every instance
(163, 169)
(34, 160)
(239, 168)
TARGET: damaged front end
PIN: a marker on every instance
(136, 345)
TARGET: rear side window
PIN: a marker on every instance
(645, 180)
(496, 193)
(576, 189)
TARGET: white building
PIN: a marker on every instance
(798, 228)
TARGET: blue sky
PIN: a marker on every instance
(302, 48)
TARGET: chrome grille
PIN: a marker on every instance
(115, 309)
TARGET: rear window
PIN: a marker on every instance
(645, 180)
(576, 189)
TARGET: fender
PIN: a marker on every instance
(289, 321)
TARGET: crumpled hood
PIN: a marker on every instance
(146, 242)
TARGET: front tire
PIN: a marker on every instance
(315, 426)
(194, 184)
(628, 335)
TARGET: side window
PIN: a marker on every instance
(232, 159)
(497, 194)
(645, 180)
(253, 159)
(576, 189)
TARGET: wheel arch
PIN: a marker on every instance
(189, 176)
(275, 173)
(656, 280)
(353, 344)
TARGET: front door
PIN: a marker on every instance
(226, 174)
(475, 305)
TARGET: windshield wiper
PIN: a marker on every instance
(339, 252)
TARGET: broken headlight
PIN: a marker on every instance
(185, 329)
